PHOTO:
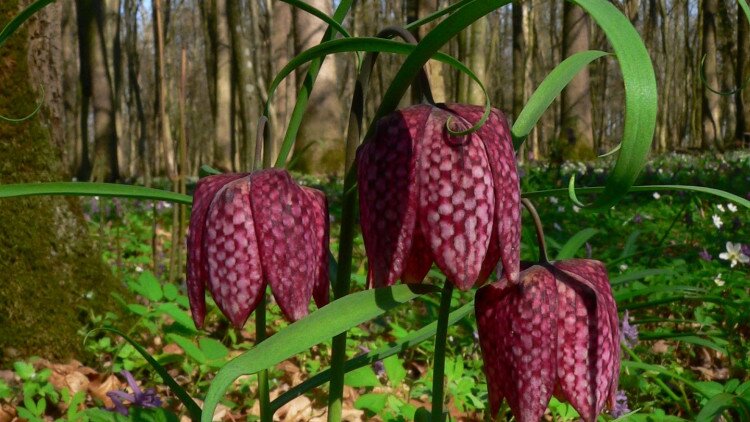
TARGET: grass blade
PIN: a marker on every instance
(193, 409)
(334, 318)
(647, 188)
(92, 189)
(548, 90)
(571, 247)
(404, 343)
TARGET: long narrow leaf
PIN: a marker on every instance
(22, 17)
(647, 188)
(92, 189)
(640, 98)
(571, 247)
(305, 90)
(404, 343)
(332, 319)
(367, 44)
(548, 90)
(320, 15)
(193, 409)
(427, 48)
(638, 275)
(719, 404)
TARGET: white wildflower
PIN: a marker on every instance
(560, 209)
(721, 208)
(717, 221)
(734, 254)
(719, 282)
(623, 267)
(732, 207)
(553, 200)
(576, 209)
(656, 194)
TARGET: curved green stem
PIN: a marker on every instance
(438, 370)
(341, 289)
(539, 230)
(266, 413)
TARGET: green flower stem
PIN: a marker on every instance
(341, 289)
(438, 370)
(539, 230)
(266, 414)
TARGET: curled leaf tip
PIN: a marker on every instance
(572, 192)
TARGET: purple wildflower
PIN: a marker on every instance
(139, 398)
(628, 332)
(378, 367)
(745, 249)
(621, 404)
(704, 255)
(589, 250)
(637, 218)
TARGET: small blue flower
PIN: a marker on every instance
(628, 332)
(139, 398)
(621, 404)
(378, 367)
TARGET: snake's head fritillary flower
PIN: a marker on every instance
(251, 230)
(427, 196)
(553, 333)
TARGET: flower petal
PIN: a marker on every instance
(291, 231)
(388, 193)
(319, 204)
(197, 266)
(456, 199)
(517, 330)
(588, 342)
(235, 278)
(495, 134)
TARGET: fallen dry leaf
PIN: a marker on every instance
(99, 389)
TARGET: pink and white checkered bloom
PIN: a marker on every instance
(427, 196)
(251, 230)
(556, 332)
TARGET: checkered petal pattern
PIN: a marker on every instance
(427, 196)
(554, 333)
(249, 231)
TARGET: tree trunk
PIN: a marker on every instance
(280, 22)
(48, 265)
(321, 133)
(711, 112)
(742, 73)
(576, 129)
(223, 159)
(70, 88)
(91, 15)
(161, 118)
(472, 42)
(242, 69)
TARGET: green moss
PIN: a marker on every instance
(48, 263)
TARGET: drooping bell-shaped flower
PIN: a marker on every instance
(427, 196)
(556, 332)
(250, 230)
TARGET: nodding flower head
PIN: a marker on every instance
(250, 230)
(428, 195)
(553, 333)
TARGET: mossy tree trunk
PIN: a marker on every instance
(50, 274)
